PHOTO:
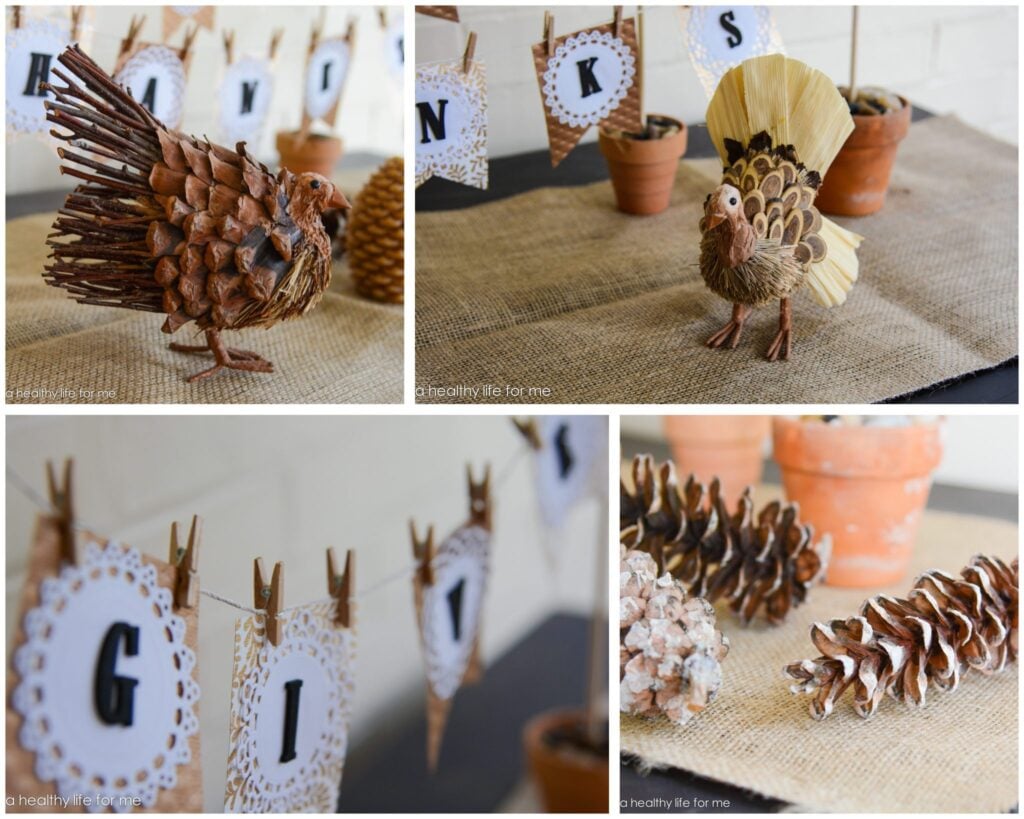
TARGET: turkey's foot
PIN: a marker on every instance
(730, 333)
(782, 345)
(230, 358)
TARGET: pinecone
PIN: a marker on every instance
(768, 563)
(945, 627)
(376, 235)
(669, 648)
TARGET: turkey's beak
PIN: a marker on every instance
(338, 200)
(715, 218)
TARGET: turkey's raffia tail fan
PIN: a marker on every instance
(833, 277)
(800, 106)
(796, 104)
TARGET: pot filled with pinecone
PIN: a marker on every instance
(858, 179)
(643, 166)
(308, 152)
(568, 757)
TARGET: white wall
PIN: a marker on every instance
(950, 59)
(370, 117)
(980, 451)
(285, 488)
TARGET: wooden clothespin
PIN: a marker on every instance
(275, 41)
(269, 597)
(480, 498)
(185, 53)
(339, 586)
(16, 16)
(318, 30)
(62, 501)
(467, 56)
(549, 33)
(528, 428)
(76, 22)
(350, 33)
(128, 43)
(617, 21)
(382, 15)
(186, 563)
(424, 551)
(229, 45)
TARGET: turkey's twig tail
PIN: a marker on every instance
(112, 145)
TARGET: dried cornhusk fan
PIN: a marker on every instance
(375, 239)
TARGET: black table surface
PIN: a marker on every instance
(659, 790)
(482, 759)
(523, 172)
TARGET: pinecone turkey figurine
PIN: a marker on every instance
(777, 124)
(168, 223)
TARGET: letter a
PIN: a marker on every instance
(38, 72)
(149, 98)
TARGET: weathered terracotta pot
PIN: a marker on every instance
(643, 170)
(730, 447)
(316, 154)
(570, 780)
(858, 179)
(865, 486)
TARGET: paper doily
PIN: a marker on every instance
(73, 748)
(713, 48)
(462, 155)
(614, 68)
(162, 63)
(321, 654)
(236, 126)
(324, 85)
(461, 559)
(26, 114)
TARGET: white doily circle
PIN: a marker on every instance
(234, 125)
(322, 655)
(615, 71)
(73, 748)
(462, 557)
(319, 99)
(162, 63)
(26, 113)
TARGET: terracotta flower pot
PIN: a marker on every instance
(857, 180)
(727, 446)
(316, 154)
(643, 170)
(865, 486)
(570, 779)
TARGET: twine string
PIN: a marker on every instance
(36, 499)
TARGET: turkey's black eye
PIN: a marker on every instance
(314, 184)
(732, 201)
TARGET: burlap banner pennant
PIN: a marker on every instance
(33, 45)
(587, 78)
(449, 589)
(569, 461)
(155, 74)
(326, 73)
(245, 92)
(441, 12)
(174, 16)
(103, 686)
(451, 122)
(291, 701)
(720, 37)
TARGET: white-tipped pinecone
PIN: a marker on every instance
(669, 649)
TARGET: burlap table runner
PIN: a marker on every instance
(555, 288)
(348, 350)
(957, 754)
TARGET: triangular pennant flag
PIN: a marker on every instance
(174, 16)
(449, 589)
(291, 703)
(156, 76)
(245, 94)
(451, 122)
(441, 12)
(720, 37)
(326, 72)
(589, 77)
(104, 687)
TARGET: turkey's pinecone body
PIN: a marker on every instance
(944, 628)
(670, 650)
(765, 563)
(375, 240)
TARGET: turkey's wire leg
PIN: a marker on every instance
(226, 357)
(731, 332)
(783, 342)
